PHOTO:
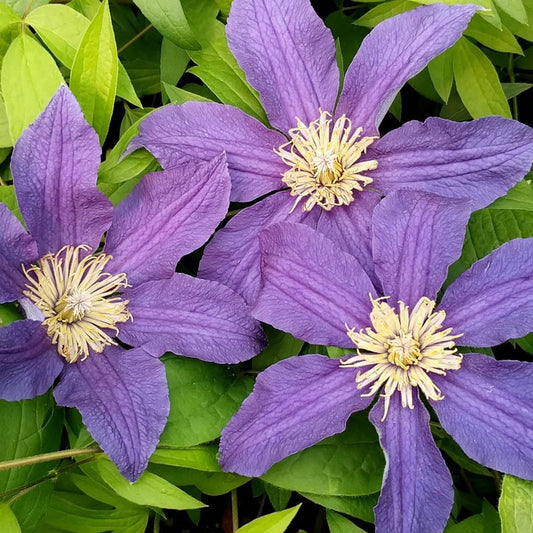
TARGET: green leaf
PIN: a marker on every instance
(149, 489)
(487, 521)
(8, 521)
(477, 82)
(218, 69)
(94, 75)
(174, 61)
(23, 6)
(340, 524)
(441, 72)
(169, 19)
(125, 88)
(516, 505)
(514, 89)
(198, 458)
(30, 78)
(180, 96)
(526, 343)
(279, 498)
(280, 346)
(357, 506)
(10, 26)
(271, 523)
(498, 39)
(513, 8)
(8, 197)
(9, 313)
(384, 11)
(483, 3)
(348, 464)
(203, 397)
(523, 30)
(87, 8)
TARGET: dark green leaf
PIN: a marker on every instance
(271, 523)
(340, 524)
(357, 506)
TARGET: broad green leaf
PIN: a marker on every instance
(526, 343)
(519, 197)
(29, 427)
(125, 88)
(87, 8)
(357, 506)
(279, 498)
(348, 464)
(280, 346)
(10, 26)
(224, 6)
(8, 521)
(149, 489)
(116, 192)
(197, 457)
(477, 81)
(22, 7)
(218, 69)
(347, 35)
(513, 8)
(174, 61)
(340, 524)
(384, 11)
(93, 78)
(96, 489)
(203, 397)
(271, 523)
(502, 40)
(524, 30)
(8, 314)
(526, 62)
(516, 505)
(423, 84)
(179, 96)
(30, 78)
(8, 197)
(441, 72)
(8, 16)
(169, 19)
(514, 89)
(483, 3)
(487, 521)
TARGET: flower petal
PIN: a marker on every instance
(203, 130)
(478, 160)
(295, 404)
(16, 248)
(122, 396)
(168, 214)
(487, 410)
(193, 317)
(54, 165)
(288, 55)
(393, 52)
(350, 228)
(417, 494)
(311, 289)
(493, 300)
(29, 363)
(233, 256)
(417, 236)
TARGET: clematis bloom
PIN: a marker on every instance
(78, 299)
(406, 347)
(325, 162)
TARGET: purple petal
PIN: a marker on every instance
(54, 165)
(393, 52)
(288, 55)
(311, 289)
(478, 160)
(168, 214)
(417, 236)
(493, 300)
(29, 363)
(350, 228)
(295, 404)
(233, 256)
(202, 130)
(487, 410)
(193, 317)
(16, 248)
(122, 396)
(417, 493)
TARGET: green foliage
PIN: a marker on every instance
(8, 520)
(340, 524)
(271, 523)
(516, 505)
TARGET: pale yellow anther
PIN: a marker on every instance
(324, 162)
(78, 300)
(402, 349)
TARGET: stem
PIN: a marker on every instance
(234, 511)
(510, 72)
(157, 519)
(134, 39)
(45, 457)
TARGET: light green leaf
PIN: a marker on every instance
(180, 96)
(513, 8)
(357, 506)
(384, 11)
(516, 505)
(501, 40)
(8, 197)
(441, 73)
(271, 523)
(219, 70)
(88, 8)
(348, 464)
(22, 7)
(477, 81)
(340, 524)
(169, 19)
(483, 3)
(524, 30)
(94, 75)
(149, 489)
(203, 397)
(30, 78)
(197, 457)
(125, 88)
(8, 521)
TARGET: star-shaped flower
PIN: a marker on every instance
(78, 299)
(326, 159)
(405, 348)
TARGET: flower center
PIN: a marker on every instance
(76, 297)
(402, 349)
(324, 162)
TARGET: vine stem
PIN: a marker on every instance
(234, 510)
(134, 39)
(45, 457)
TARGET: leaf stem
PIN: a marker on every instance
(234, 510)
(510, 72)
(134, 38)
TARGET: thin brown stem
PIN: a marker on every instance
(134, 38)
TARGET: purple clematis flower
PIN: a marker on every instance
(76, 301)
(406, 347)
(326, 159)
